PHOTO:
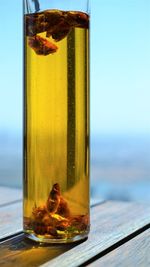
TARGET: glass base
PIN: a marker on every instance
(42, 239)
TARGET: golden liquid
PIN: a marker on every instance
(56, 145)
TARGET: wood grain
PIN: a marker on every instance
(10, 219)
(110, 222)
(9, 195)
(136, 252)
(20, 251)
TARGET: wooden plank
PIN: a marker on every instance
(10, 219)
(9, 195)
(96, 201)
(22, 252)
(110, 223)
(133, 253)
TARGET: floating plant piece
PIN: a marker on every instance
(78, 19)
(56, 24)
(53, 199)
(41, 46)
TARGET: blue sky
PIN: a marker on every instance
(120, 66)
(120, 55)
(11, 65)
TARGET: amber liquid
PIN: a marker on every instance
(56, 128)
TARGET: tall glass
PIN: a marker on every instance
(56, 120)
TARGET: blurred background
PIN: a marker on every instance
(120, 94)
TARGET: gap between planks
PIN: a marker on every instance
(115, 222)
(132, 253)
(97, 259)
(9, 195)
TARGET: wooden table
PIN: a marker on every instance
(119, 236)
